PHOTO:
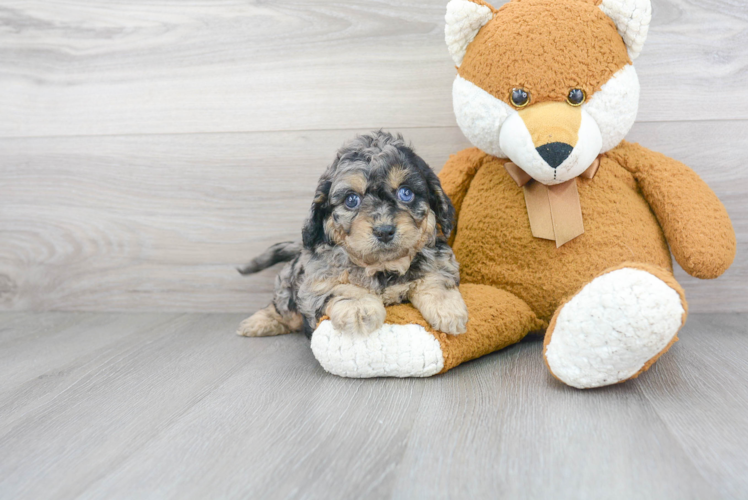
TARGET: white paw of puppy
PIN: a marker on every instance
(445, 310)
(361, 315)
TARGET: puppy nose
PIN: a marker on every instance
(554, 153)
(384, 233)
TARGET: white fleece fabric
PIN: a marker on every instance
(515, 140)
(464, 19)
(614, 107)
(480, 115)
(390, 351)
(610, 329)
(632, 18)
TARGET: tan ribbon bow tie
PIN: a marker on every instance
(555, 211)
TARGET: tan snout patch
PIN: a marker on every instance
(550, 122)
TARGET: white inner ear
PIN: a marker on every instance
(614, 106)
(464, 19)
(632, 18)
(479, 115)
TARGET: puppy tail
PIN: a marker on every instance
(280, 252)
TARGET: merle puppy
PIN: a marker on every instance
(376, 235)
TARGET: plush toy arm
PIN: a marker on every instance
(695, 222)
(456, 176)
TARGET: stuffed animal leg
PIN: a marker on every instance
(615, 327)
(406, 346)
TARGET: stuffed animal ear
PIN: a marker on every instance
(632, 19)
(464, 19)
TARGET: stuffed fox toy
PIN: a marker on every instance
(562, 227)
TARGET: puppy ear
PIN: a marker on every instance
(441, 205)
(632, 18)
(464, 19)
(438, 199)
(313, 232)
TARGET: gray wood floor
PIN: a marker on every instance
(129, 405)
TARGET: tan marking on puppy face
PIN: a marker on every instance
(396, 176)
(550, 122)
(416, 235)
(546, 48)
(334, 231)
(365, 250)
(360, 241)
(354, 181)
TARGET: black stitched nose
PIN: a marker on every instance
(384, 233)
(555, 153)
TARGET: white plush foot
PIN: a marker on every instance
(390, 351)
(609, 330)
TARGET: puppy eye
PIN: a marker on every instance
(520, 98)
(576, 97)
(352, 201)
(405, 195)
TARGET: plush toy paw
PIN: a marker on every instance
(357, 315)
(389, 351)
(613, 329)
(445, 310)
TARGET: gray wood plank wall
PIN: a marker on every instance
(147, 147)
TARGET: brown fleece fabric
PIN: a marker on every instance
(455, 178)
(665, 275)
(495, 246)
(693, 219)
(586, 52)
(497, 319)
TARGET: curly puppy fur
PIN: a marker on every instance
(355, 261)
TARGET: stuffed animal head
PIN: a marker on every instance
(549, 84)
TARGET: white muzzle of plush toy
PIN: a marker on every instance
(552, 142)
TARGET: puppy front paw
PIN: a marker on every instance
(445, 310)
(360, 315)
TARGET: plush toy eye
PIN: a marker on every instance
(576, 97)
(520, 98)
(405, 195)
(352, 201)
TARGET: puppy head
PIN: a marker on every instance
(379, 201)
